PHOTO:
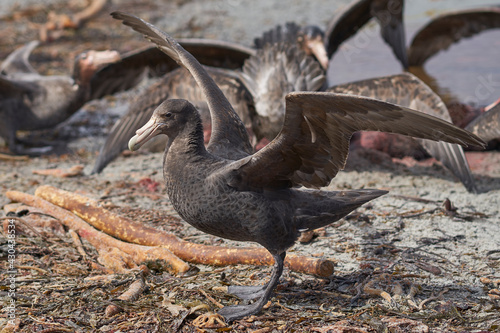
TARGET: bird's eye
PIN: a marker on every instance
(168, 115)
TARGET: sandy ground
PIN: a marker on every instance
(405, 239)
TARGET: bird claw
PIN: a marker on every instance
(233, 312)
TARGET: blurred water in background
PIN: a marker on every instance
(469, 70)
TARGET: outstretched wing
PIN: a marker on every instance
(346, 23)
(389, 14)
(176, 84)
(407, 90)
(126, 73)
(17, 61)
(449, 28)
(276, 70)
(287, 33)
(229, 138)
(314, 141)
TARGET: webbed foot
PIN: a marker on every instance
(234, 312)
(264, 292)
(247, 292)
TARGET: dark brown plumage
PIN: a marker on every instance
(308, 39)
(272, 73)
(277, 67)
(226, 191)
(257, 93)
(436, 36)
(176, 84)
(407, 90)
(449, 28)
(487, 124)
(389, 15)
(18, 60)
(30, 101)
(323, 44)
(210, 52)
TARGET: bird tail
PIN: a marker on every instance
(317, 209)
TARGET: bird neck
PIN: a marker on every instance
(194, 138)
(188, 143)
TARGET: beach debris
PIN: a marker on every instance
(135, 232)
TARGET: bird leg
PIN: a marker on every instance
(234, 312)
(252, 292)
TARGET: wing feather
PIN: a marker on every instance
(449, 28)
(293, 159)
